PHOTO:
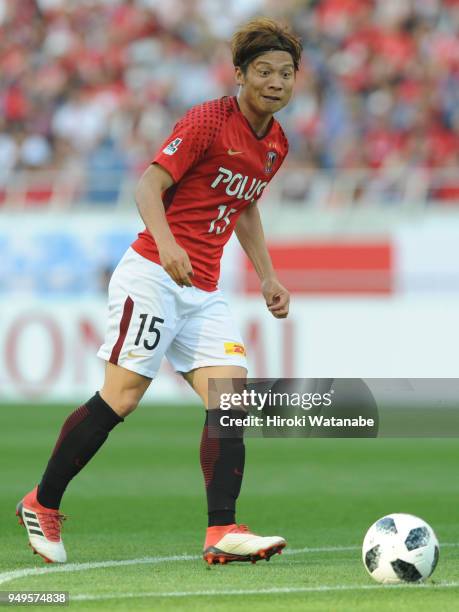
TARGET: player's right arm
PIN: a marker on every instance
(175, 261)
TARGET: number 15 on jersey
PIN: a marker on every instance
(223, 215)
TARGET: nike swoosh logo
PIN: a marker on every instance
(132, 355)
(231, 152)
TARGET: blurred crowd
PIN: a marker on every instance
(99, 83)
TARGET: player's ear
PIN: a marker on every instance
(240, 77)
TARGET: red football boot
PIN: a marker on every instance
(43, 527)
(237, 543)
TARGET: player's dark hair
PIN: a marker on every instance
(261, 35)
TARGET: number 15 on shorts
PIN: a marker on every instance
(152, 335)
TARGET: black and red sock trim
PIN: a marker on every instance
(209, 453)
(82, 434)
(70, 423)
(222, 462)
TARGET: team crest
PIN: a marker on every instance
(172, 146)
(270, 159)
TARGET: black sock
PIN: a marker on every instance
(222, 463)
(82, 434)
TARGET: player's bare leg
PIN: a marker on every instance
(222, 460)
(81, 436)
(123, 389)
(199, 379)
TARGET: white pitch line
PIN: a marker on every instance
(307, 549)
(274, 590)
(78, 567)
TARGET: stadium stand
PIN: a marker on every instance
(90, 88)
(96, 85)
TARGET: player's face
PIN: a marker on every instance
(267, 85)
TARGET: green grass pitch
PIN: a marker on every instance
(141, 499)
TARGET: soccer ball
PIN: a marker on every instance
(400, 548)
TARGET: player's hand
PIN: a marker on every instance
(176, 263)
(277, 298)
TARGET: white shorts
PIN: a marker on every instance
(150, 316)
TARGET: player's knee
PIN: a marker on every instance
(123, 389)
(127, 402)
(121, 401)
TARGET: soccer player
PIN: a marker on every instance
(204, 183)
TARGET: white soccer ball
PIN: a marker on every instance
(400, 548)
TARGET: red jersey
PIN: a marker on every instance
(219, 166)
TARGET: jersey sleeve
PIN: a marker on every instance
(284, 145)
(191, 137)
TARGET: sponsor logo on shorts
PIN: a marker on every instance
(172, 146)
(234, 348)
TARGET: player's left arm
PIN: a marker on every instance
(250, 234)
